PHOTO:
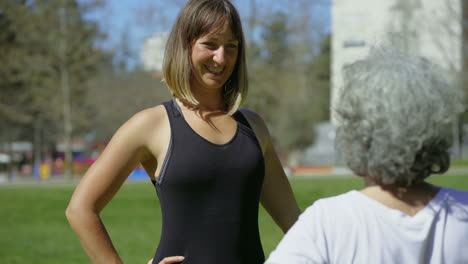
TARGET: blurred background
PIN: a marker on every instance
(73, 71)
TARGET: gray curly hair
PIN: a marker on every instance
(394, 117)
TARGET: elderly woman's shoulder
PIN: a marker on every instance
(341, 203)
(455, 203)
(460, 196)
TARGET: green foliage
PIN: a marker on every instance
(320, 75)
(126, 93)
(41, 40)
(276, 41)
(289, 84)
(464, 74)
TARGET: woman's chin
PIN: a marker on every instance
(214, 85)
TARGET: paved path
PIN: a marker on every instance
(343, 172)
(306, 172)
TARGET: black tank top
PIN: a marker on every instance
(209, 195)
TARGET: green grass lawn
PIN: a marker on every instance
(33, 228)
(459, 163)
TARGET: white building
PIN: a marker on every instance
(322, 152)
(152, 54)
(432, 28)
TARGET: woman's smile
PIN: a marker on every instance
(214, 70)
(214, 58)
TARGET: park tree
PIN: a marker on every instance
(49, 56)
(266, 64)
(463, 75)
(289, 78)
(275, 41)
(14, 96)
(320, 76)
(126, 93)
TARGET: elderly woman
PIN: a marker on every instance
(395, 114)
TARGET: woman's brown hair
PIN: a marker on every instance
(196, 19)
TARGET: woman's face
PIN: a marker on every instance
(214, 57)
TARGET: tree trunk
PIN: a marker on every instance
(65, 86)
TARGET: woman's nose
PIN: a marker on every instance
(219, 55)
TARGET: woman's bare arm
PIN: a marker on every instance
(277, 196)
(100, 183)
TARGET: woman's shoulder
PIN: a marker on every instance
(251, 113)
(259, 127)
(147, 120)
(150, 115)
(253, 118)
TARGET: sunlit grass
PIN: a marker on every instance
(459, 163)
(33, 228)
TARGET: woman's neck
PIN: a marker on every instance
(409, 200)
(209, 100)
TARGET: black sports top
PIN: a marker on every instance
(209, 195)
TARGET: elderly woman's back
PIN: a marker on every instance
(395, 114)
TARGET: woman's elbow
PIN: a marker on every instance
(74, 212)
(71, 213)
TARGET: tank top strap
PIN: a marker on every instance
(176, 125)
(173, 109)
(239, 117)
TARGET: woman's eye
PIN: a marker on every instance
(209, 44)
(232, 46)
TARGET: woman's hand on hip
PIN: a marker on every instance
(169, 260)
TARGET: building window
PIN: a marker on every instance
(353, 43)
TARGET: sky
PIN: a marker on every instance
(130, 22)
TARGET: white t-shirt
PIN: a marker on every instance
(353, 228)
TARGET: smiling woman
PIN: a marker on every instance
(214, 57)
(213, 38)
(211, 163)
